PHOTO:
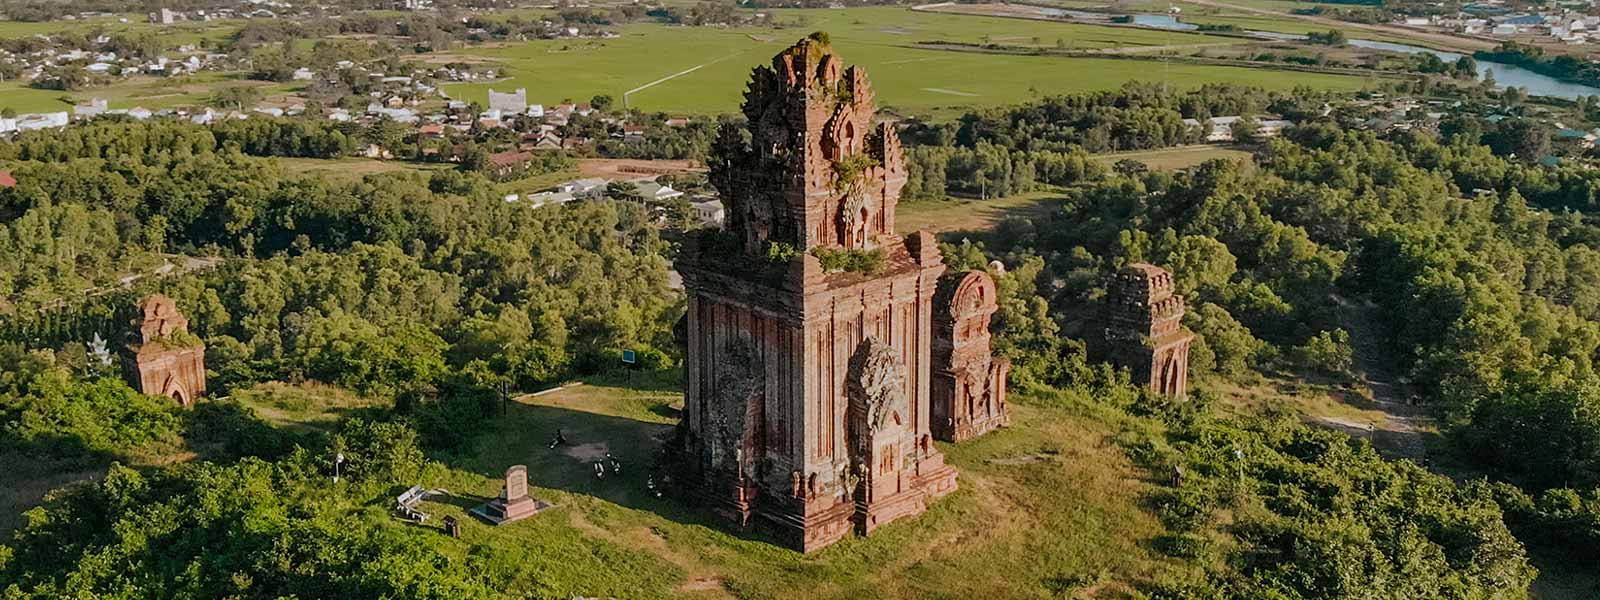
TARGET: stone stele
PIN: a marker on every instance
(514, 503)
(807, 409)
(164, 360)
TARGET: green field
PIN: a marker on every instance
(149, 92)
(176, 34)
(907, 78)
(1171, 159)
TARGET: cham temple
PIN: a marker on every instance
(814, 393)
(1145, 329)
(160, 361)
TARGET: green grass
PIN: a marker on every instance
(354, 168)
(962, 215)
(1045, 501)
(912, 79)
(183, 32)
(1171, 159)
(23, 99)
(303, 407)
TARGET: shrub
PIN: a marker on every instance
(867, 261)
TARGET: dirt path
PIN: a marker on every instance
(1403, 432)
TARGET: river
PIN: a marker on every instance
(1504, 74)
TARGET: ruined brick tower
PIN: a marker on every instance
(969, 383)
(164, 360)
(807, 408)
(1145, 329)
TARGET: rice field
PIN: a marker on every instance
(703, 70)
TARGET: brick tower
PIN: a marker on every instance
(969, 383)
(1145, 331)
(161, 362)
(807, 409)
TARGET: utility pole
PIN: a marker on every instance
(505, 398)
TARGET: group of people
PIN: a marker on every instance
(600, 466)
(610, 464)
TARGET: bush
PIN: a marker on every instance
(1329, 352)
(850, 261)
(56, 415)
(1183, 545)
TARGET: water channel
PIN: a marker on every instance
(1504, 74)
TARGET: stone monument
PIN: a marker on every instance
(807, 408)
(1145, 332)
(969, 383)
(513, 504)
(165, 360)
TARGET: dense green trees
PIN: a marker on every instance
(1136, 117)
(55, 414)
(252, 529)
(364, 283)
(1317, 514)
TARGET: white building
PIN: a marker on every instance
(1220, 129)
(95, 107)
(708, 212)
(651, 190)
(511, 103)
(42, 121)
(593, 187)
(543, 198)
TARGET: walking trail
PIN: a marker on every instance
(1404, 430)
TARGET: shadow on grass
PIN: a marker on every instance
(666, 411)
(523, 436)
(662, 381)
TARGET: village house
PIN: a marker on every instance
(708, 212)
(1220, 129)
(652, 191)
(513, 102)
(633, 134)
(508, 165)
(593, 187)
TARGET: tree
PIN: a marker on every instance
(625, 191)
(601, 102)
(240, 97)
(1525, 139)
(1246, 130)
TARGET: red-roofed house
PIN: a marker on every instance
(509, 165)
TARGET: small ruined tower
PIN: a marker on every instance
(969, 382)
(807, 408)
(164, 360)
(1145, 329)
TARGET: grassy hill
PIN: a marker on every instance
(1047, 505)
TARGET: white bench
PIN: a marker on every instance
(406, 504)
